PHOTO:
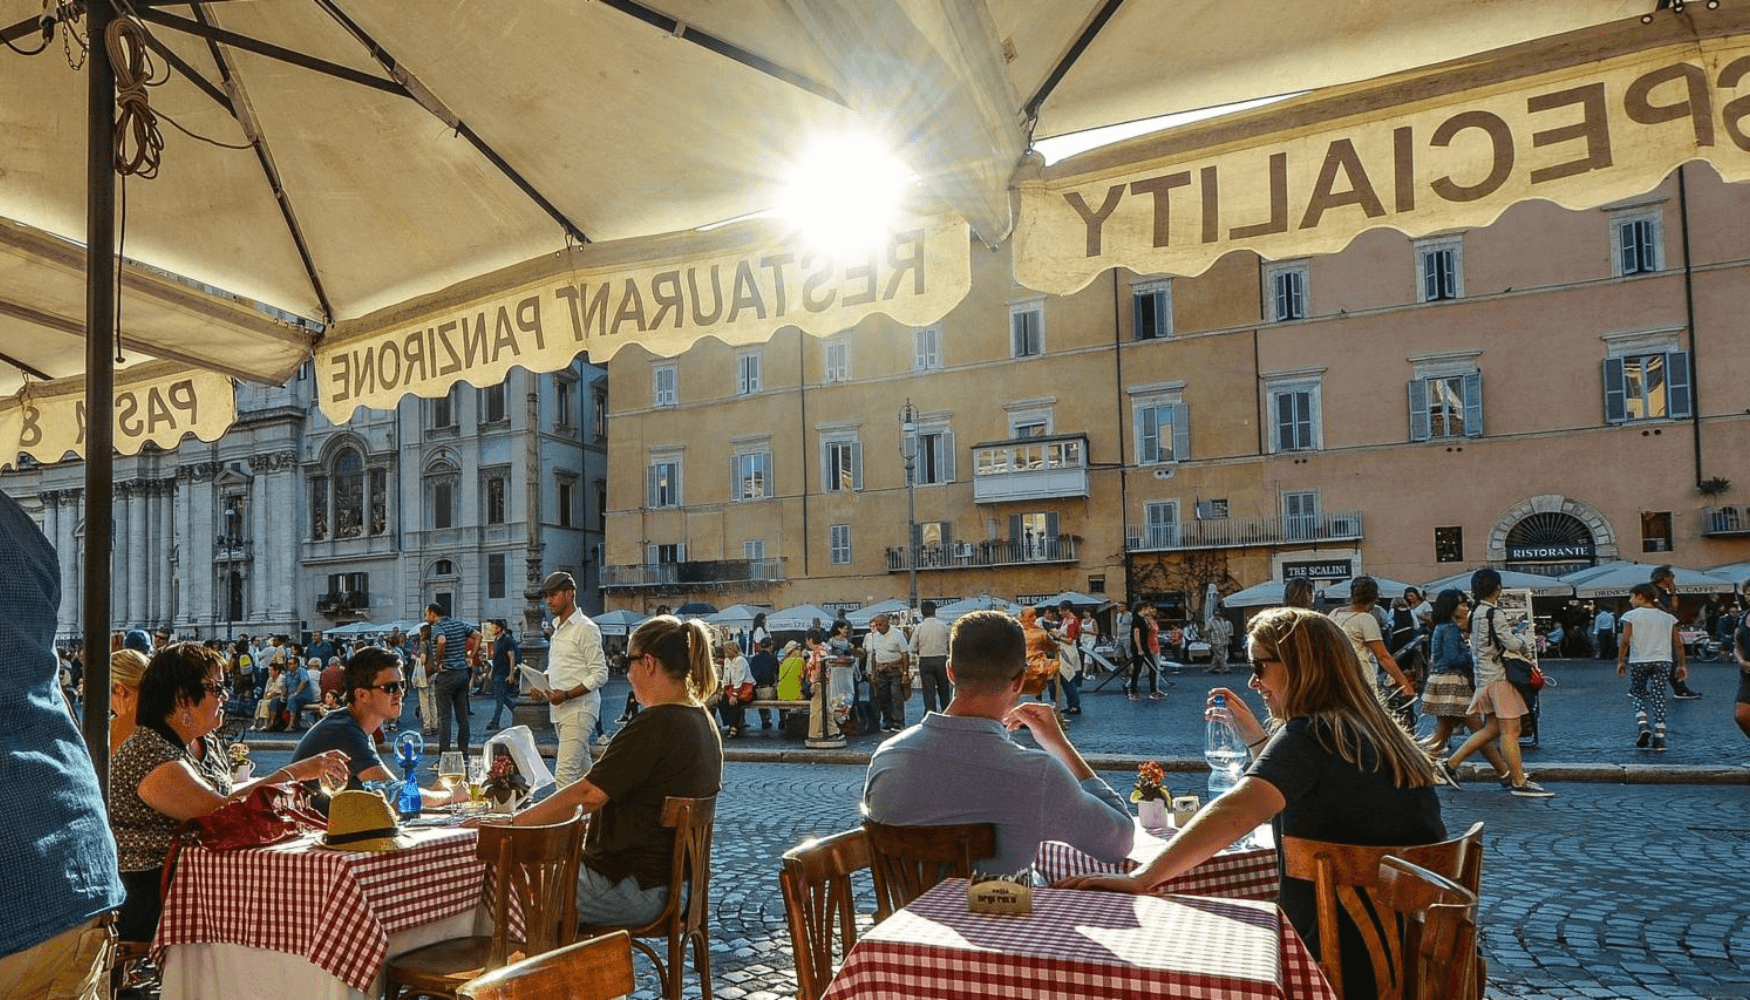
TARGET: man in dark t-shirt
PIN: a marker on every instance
(374, 692)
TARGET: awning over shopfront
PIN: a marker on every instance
(1581, 119)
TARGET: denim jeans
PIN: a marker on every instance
(933, 678)
(503, 699)
(450, 687)
(600, 901)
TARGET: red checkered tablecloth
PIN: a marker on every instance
(1236, 873)
(1081, 946)
(335, 909)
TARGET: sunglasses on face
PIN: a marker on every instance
(393, 687)
(215, 687)
(1258, 667)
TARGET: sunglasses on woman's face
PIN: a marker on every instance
(1258, 667)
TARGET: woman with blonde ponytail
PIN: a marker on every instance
(672, 747)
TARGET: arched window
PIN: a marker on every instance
(349, 494)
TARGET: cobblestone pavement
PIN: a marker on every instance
(1605, 891)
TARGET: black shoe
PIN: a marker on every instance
(1072, 711)
(1644, 740)
(765, 725)
(1685, 696)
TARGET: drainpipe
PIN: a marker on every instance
(1123, 433)
(1689, 312)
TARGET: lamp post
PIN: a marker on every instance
(908, 433)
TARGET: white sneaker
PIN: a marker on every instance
(604, 739)
(1532, 790)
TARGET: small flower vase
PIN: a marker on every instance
(1152, 813)
(241, 772)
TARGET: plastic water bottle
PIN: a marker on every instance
(1222, 749)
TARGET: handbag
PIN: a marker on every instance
(766, 692)
(269, 814)
(738, 694)
(1520, 671)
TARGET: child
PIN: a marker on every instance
(1649, 642)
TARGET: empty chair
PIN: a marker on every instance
(597, 969)
(1437, 917)
(1347, 890)
(686, 916)
(908, 860)
(536, 864)
(816, 879)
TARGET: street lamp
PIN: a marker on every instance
(908, 433)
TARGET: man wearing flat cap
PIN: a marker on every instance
(576, 671)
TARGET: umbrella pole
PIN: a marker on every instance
(100, 296)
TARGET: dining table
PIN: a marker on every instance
(1081, 945)
(296, 921)
(1247, 869)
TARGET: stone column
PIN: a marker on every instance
(170, 548)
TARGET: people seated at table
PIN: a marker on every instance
(670, 748)
(174, 768)
(60, 858)
(961, 765)
(125, 668)
(1333, 766)
(375, 689)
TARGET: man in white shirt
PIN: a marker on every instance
(889, 662)
(929, 643)
(576, 672)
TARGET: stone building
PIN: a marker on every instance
(289, 523)
(1554, 390)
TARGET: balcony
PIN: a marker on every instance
(979, 555)
(346, 605)
(1036, 468)
(1726, 522)
(1238, 532)
(681, 574)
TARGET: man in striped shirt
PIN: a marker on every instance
(448, 674)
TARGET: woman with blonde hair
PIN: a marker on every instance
(1333, 765)
(670, 748)
(125, 668)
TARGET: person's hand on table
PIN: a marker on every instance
(1103, 883)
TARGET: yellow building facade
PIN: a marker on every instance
(1557, 389)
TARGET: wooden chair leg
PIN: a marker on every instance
(702, 964)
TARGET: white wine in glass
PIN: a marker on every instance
(452, 771)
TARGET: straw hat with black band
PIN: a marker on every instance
(362, 821)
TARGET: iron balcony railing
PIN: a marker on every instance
(992, 552)
(698, 571)
(1235, 532)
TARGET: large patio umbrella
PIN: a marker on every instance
(1259, 595)
(448, 191)
(620, 622)
(1738, 573)
(1615, 579)
(799, 618)
(1388, 590)
(861, 617)
(982, 602)
(1538, 584)
(736, 616)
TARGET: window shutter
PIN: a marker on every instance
(1017, 334)
(735, 470)
(1284, 421)
(1051, 526)
(1151, 436)
(856, 465)
(1283, 301)
(1181, 431)
(1014, 527)
(1448, 273)
(947, 465)
(1473, 404)
(1615, 401)
(766, 479)
(1421, 425)
(1430, 277)
(1139, 328)
(1625, 248)
(1677, 386)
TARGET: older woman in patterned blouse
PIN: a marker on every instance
(173, 768)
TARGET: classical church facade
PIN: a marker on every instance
(289, 523)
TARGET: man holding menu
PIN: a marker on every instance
(961, 766)
(576, 671)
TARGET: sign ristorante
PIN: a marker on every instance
(739, 286)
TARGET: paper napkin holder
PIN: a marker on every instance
(999, 894)
(1182, 808)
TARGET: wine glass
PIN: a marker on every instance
(452, 771)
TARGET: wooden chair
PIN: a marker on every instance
(597, 969)
(1345, 881)
(688, 913)
(816, 879)
(908, 860)
(1439, 930)
(536, 863)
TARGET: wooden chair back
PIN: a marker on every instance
(816, 879)
(687, 915)
(536, 865)
(1345, 881)
(1439, 930)
(597, 969)
(908, 860)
